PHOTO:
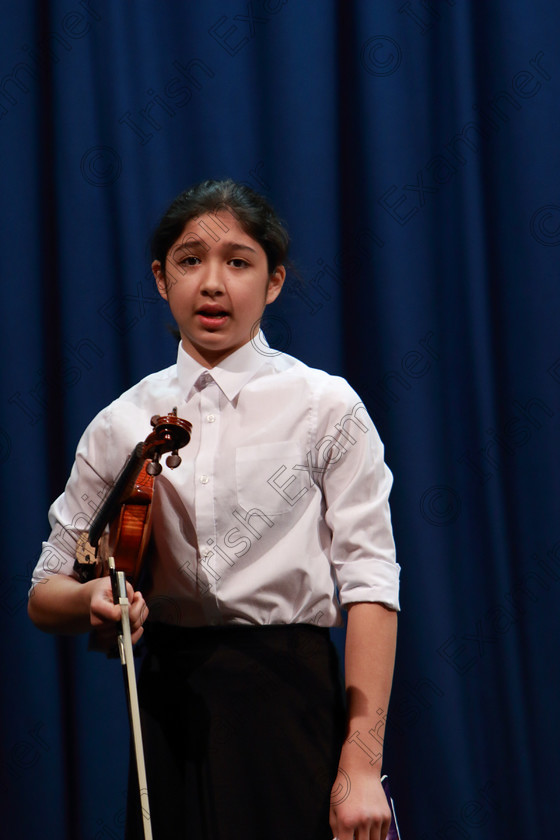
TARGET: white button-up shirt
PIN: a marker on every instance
(279, 511)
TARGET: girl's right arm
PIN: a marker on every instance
(61, 604)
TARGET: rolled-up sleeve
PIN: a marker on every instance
(356, 487)
(73, 511)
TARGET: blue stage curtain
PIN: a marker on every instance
(413, 149)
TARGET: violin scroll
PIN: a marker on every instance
(170, 434)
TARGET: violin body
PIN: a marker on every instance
(130, 531)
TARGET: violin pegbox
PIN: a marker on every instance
(169, 435)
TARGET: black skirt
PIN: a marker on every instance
(242, 730)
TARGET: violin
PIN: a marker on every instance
(126, 512)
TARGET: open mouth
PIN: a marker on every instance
(212, 316)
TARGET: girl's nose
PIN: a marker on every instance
(212, 281)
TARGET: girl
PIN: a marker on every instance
(276, 520)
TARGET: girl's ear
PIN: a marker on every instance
(275, 283)
(160, 278)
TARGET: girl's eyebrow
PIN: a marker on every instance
(194, 242)
(237, 246)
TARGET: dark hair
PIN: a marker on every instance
(254, 213)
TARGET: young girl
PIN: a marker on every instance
(277, 518)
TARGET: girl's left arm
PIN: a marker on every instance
(358, 804)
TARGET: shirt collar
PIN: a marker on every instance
(231, 374)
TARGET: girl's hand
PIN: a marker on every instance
(359, 807)
(105, 615)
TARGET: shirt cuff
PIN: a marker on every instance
(380, 585)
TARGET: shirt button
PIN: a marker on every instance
(210, 418)
(205, 552)
(204, 479)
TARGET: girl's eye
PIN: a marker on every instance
(189, 260)
(237, 262)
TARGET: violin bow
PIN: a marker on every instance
(118, 584)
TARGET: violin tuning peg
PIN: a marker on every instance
(155, 419)
(173, 460)
(154, 467)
